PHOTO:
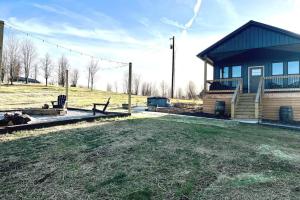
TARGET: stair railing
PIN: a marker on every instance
(258, 98)
(238, 90)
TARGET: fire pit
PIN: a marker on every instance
(16, 118)
(41, 111)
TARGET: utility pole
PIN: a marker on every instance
(1, 41)
(173, 66)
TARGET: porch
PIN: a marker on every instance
(241, 103)
(256, 70)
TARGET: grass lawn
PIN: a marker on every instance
(151, 157)
(21, 96)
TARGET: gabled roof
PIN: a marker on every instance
(250, 36)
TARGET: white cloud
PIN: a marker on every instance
(229, 9)
(172, 23)
(110, 35)
(151, 58)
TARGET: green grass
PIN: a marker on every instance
(20, 96)
(24, 96)
(151, 157)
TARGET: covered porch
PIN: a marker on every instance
(256, 70)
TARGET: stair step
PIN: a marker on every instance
(252, 100)
(244, 117)
(244, 110)
(245, 106)
(247, 95)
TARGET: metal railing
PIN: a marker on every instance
(224, 85)
(282, 83)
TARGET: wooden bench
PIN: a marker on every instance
(105, 105)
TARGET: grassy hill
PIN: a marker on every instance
(21, 96)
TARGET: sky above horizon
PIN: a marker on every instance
(138, 31)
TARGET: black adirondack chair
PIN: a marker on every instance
(61, 102)
(105, 105)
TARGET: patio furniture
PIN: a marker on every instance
(105, 105)
(61, 102)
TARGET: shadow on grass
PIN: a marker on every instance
(148, 158)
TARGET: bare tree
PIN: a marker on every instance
(191, 90)
(89, 76)
(109, 87)
(63, 65)
(36, 71)
(28, 54)
(116, 86)
(47, 67)
(148, 89)
(3, 66)
(125, 83)
(74, 77)
(12, 48)
(136, 83)
(180, 94)
(164, 89)
(93, 69)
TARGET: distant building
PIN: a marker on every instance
(23, 80)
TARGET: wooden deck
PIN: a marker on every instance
(270, 105)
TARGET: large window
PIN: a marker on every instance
(236, 71)
(224, 72)
(293, 67)
(277, 68)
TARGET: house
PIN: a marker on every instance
(256, 71)
(23, 80)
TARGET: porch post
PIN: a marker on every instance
(205, 76)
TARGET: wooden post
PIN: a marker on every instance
(173, 67)
(205, 76)
(67, 87)
(1, 41)
(129, 87)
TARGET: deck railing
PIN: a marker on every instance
(234, 100)
(224, 85)
(282, 83)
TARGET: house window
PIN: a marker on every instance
(277, 68)
(293, 67)
(224, 72)
(256, 72)
(236, 71)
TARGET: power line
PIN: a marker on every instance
(122, 64)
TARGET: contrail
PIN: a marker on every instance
(197, 7)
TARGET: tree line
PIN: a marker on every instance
(20, 58)
(163, 89)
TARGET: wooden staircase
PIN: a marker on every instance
(245, 107)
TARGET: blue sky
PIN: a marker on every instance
(139, 30)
